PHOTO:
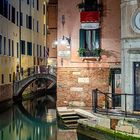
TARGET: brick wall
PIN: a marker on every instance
(6, 92)
(76, 84)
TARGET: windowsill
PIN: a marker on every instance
(90, 58)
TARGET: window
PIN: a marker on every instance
(33, 23)
(17, 18)
(44, 51)
(27, 21)
(9, 12)
(10, 78)
(37, 4)
(21, 19)
(1, 7)
(13, 14)
(37, 26)
(12, 47)
(0, 44)
(2, 78)
(29, 48)
(30, 22)
(44, 9)
(9, 42)
(37, 50)
(40, 50)
(33, 49)
(22, 47)
(89, 42)
(33, 3)
(91, 5)
(4, 46)
(28, 1)
(6, 8)
(44, 29)
(17, 50)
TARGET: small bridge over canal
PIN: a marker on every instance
(33, 74)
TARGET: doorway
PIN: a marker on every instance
(137, 86)
(115, 83)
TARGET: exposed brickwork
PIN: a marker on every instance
(6, 92)
(66, 80)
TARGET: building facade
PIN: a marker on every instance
(81, 38)
(52, 31)
(22, 40)
(130, 38)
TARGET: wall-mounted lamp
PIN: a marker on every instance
(66, 40)
(63, 41)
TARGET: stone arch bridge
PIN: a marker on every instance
(47, 74)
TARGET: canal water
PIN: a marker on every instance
(34, 119)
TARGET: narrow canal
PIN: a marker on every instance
(34, 119)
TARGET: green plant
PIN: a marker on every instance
(81, 51)
(97, 52)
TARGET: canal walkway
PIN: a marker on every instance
(114, 126)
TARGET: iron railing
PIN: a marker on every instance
(36, 70)
(113, 103)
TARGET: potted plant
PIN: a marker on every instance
(97, 52)
(81, 51)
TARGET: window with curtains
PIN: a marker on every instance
(89, 42)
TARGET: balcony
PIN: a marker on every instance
(90, 54)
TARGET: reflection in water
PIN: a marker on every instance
(34, 120)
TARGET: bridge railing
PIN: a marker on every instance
(113, 103)
(37, 70)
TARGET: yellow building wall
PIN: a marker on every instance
(8, 64)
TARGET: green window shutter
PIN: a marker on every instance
(82, 38)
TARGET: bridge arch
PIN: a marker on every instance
(20, 86)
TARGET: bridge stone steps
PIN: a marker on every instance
(69, 118)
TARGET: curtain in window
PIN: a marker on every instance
(88, 40)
